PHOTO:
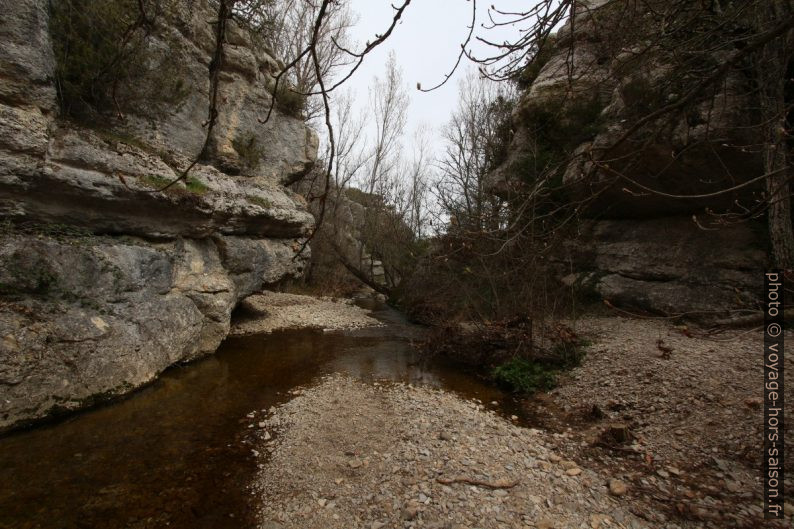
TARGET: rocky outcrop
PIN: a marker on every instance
(664, 266)
(106, 279)
(639, 249)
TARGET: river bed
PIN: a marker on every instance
(177, 453)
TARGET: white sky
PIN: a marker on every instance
(426, 44)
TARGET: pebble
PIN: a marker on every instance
(380, 433)
(617, 487)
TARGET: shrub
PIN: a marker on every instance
(524, 376)
(97, 45)
(104, 62)
(290, 102)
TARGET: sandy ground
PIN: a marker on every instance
(271, 311)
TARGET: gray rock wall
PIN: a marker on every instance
(640, 250)
(664, 266)
(105, 281)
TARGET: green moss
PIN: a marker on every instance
(156, 181)
(196, 186)
(193, 186)
(27, 275)
(259, 201)
(59, 232)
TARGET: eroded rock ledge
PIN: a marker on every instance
(104, 279)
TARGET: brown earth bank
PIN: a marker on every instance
(658, 427)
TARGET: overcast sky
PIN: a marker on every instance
(426, 44)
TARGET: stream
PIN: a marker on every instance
(177, 453)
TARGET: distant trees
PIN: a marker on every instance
(378, 205)
(476, 140)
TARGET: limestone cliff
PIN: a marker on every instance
(104, 279)
(635, 248)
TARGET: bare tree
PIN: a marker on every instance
(475, 138)
(388, 103)
(287, 27)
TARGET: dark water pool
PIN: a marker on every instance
(176, 453)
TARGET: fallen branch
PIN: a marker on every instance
(498, 484)
(752, 319)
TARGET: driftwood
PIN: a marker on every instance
(498, 484)
(751, 319)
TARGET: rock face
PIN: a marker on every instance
(665, 266)
(640, 249)
(104, 279)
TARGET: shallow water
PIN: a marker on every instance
(177, 453)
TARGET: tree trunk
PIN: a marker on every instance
(771, 72)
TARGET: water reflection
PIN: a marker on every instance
(174, 454)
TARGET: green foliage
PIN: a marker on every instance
(248, 149)
(557, 128)
(193, 185)
(640, 96)
(97, 46)
(527, 376)
(524, 376)
(103, 59)
(497, 142)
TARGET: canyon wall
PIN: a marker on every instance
(639, 244)
(106, 278)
